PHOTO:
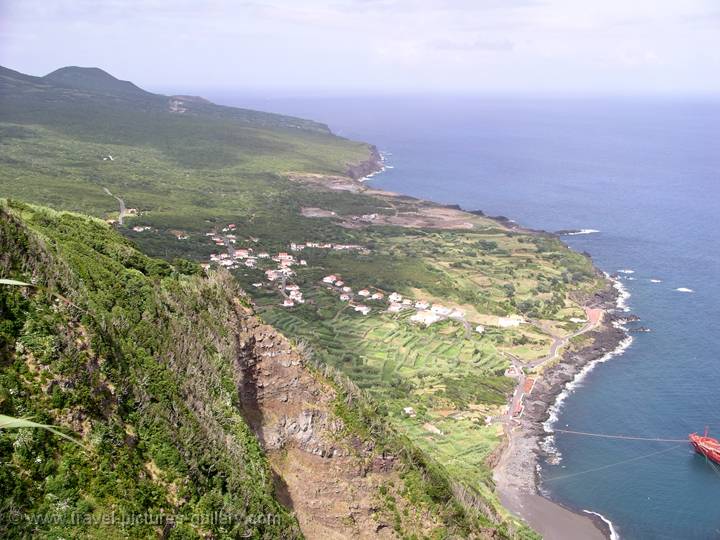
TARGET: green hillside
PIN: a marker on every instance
(128, 355)
(191, 174)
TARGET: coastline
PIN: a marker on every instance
(529, 438)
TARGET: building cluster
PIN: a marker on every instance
(279, 272)
(326, 245)
(278, 267)
(425, 313)
(348, 295)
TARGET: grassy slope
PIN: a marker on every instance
(129, 353)
(194, 172)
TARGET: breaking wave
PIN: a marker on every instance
(582, 231)
(613, 533)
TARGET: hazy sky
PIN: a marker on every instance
(618, 46)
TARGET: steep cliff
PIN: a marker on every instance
(194, 418)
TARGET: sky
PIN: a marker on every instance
(375, 46)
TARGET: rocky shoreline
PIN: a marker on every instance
(373, 164)
(516, 469)
(519, 479)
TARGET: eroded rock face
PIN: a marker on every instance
(364, 168)
(328, 478)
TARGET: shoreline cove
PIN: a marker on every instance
(516, 472)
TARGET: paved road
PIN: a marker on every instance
(123, 210)
(558, 343)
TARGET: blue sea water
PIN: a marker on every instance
(646, 174)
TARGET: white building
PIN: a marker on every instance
(409, 411)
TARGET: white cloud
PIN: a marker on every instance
(561, 45)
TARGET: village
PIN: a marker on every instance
(281, 263)
(279, 274)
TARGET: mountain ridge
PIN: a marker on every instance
(71, 84)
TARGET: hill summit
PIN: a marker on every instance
(93, 79)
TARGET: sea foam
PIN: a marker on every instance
(548, 443)
(613, 533)
(583, 231)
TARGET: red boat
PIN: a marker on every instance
(707, 446)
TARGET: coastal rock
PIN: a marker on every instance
(364, 168)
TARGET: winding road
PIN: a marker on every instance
(123, 210)
(594, 315)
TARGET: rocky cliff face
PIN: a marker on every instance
(364, 168)
(328, 477)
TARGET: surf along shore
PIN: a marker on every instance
(515, 470)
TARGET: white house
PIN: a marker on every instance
(364, 292)
(332, 278)
(362, 309)
(395, 297)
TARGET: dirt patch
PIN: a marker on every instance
(323, 181)
(312, 212)
(408, 211)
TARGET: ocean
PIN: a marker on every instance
(645, 174)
